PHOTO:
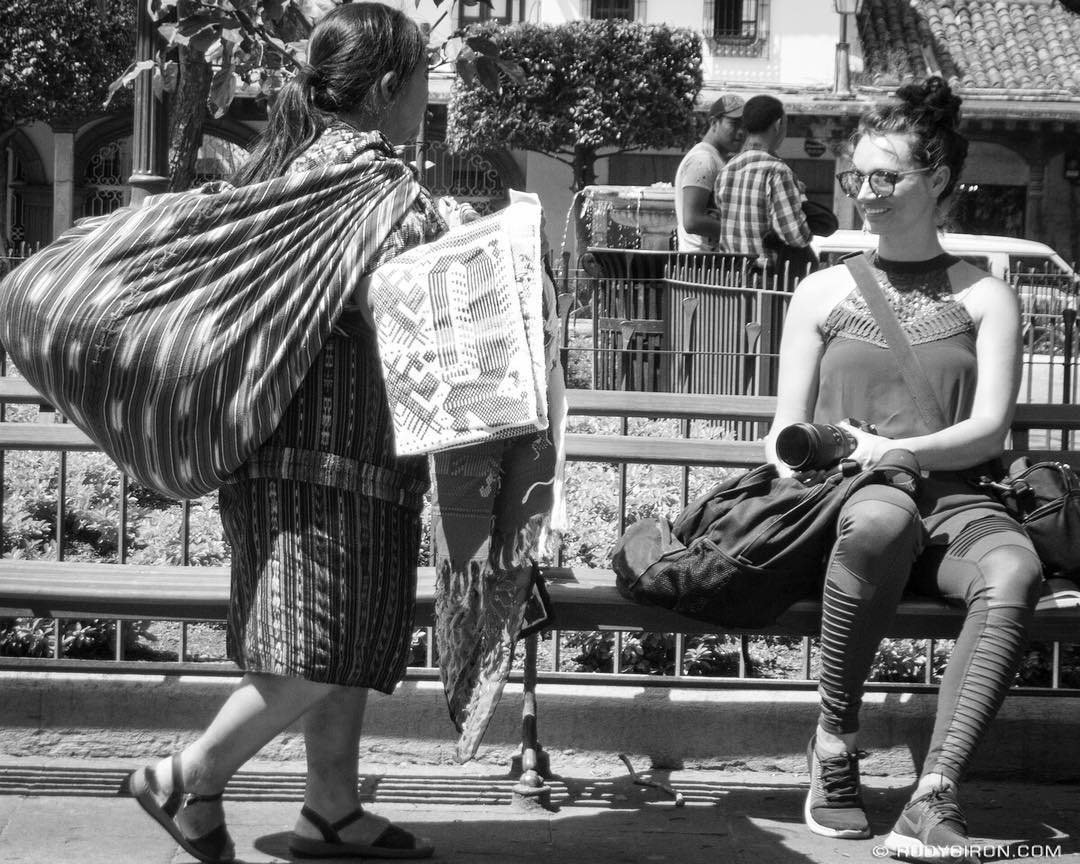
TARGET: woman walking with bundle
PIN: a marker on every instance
(952, 540)
(324, 521)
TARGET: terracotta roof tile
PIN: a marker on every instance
(981, 44)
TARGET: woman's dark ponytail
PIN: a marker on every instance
(294, 124)
(929, 112)
(350, 51)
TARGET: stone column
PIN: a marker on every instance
(63, 178)
(149, 143)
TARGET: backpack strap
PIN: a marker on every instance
(914, 376)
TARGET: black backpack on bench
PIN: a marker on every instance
(750, 547)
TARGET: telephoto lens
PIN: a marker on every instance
(812, 446)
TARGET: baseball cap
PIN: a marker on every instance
(728, 105)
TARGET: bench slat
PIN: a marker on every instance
(617, 403)
(44, 436)
(19, 391)
(665, 451)
(682, 406)
(583, 599)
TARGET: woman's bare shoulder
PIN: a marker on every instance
(967, 280)
(823, 289)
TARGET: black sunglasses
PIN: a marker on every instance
(882, 182)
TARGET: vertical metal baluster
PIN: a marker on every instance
(61, 506)
(123, 538)
(185, 560)
(556, 650)
(122, 548)
(1055, 665)
(429, 648)
(680, 647)
(61, 515)
(807, 660)
(928, 674)
(616, 660)
(3, 455)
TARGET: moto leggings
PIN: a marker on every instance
(975, 556)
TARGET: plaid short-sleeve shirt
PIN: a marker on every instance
(757, 192)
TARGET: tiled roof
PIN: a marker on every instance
(991, 45)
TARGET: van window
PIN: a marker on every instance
(980, 261)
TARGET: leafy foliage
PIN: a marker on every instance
(59, 56)
(586, 85)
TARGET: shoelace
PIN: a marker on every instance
(840, 776)
(942, 804)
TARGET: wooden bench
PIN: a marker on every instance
(583, 598)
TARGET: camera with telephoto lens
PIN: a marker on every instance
(814, 446)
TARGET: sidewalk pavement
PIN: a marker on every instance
(72, 812)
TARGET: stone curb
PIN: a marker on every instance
(60, 715)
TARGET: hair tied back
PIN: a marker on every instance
(931, 102)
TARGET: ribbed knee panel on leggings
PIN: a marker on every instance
(879, 535)
(1002, 587)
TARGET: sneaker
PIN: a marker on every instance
(834, 806)
(931, 828)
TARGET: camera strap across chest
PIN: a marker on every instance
(918, 383)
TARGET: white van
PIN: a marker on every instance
(1045, 282)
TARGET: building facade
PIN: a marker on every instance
(1015, 62)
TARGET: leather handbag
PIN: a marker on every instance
(1043, 497)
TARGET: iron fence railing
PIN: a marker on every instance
(695, 326)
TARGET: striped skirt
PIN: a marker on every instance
(323, 582)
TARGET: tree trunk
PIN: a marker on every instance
(186, 116)
(584, 175)
(584, 167)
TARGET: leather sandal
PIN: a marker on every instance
(213, 847)
(387, 840)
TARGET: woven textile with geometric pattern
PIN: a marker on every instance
(461, 335)
(175, 334)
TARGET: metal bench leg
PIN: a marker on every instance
(531, 791)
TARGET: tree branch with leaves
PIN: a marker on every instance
(587, 89)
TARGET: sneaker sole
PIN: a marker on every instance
(836, 833)
(910, 849)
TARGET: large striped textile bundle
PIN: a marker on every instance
(460, 328)
(175, 334)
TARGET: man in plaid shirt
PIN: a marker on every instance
(757, 194)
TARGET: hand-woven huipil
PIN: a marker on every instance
(324, 519)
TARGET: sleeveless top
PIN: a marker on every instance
(859, 376)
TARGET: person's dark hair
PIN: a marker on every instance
(349, 52)
(929, 112)
(760, 112)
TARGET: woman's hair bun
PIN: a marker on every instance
(932, 102)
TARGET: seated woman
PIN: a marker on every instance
(952, 541)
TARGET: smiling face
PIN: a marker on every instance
(912, 207)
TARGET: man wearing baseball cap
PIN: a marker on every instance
(695, 208)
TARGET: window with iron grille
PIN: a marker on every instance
(625, 9)
(502, 11)
(735, 20)
(736, 28)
